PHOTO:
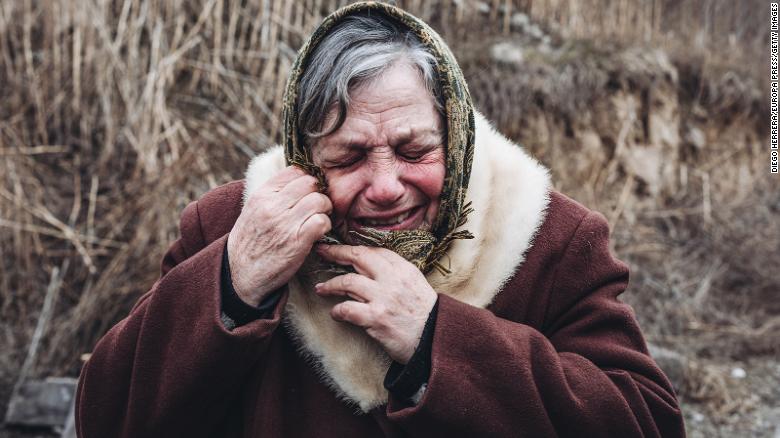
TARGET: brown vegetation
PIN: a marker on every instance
(115, 114)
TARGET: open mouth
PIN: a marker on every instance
(402, 221)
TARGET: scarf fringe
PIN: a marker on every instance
(441, 247)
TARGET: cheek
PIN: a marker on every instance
(342, 190)
(428, 178)
(428, 174)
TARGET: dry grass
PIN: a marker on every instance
(117, 113)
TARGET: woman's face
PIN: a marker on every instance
(385, 165)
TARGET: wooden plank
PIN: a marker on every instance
(70, 424)
(42, 403)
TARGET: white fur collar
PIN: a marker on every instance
(509, 192)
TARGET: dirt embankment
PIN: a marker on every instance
(670, 147)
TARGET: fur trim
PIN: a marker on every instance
(509, 191)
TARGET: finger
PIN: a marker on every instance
(365, 260)
(297, 189)
(355, 286)
(352, 312)
(312, 203)
(284, 177)
(314, 227)
(391, 257)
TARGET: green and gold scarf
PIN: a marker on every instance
(422, 248)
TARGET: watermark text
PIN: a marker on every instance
(774, 88)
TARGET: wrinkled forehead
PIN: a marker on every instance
(347, 139)
(393, 110)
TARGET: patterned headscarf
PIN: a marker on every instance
(422, 248)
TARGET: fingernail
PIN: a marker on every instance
(322, 247)
(317, 287)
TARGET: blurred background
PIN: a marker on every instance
(114, 114)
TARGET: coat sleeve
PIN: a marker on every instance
(171, 368)
(587, 373)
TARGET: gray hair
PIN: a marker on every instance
(354, 53)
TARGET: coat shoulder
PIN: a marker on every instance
(562, 219)
(218, 209)
(568, 227)
(573, 226)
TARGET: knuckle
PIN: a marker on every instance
(341, 311)
(316, 224)
(312, 223)
(313, 200)
(307, 203)
(316, 220)
(356, 251)
(320, 220)
(348, 281)
(326, 224)
(323, 201)
(374, 251)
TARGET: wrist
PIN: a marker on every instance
(235, 310)
(246, 292)
(404, 380)
(423, 329)
(251, 300)
(252, 296)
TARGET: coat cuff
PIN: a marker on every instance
(406, 381)
(235, 311)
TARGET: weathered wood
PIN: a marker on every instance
(42, 403)
(70, 424)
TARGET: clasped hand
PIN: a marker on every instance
(282, 220)
(390, 297)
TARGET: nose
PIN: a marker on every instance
(385, 187)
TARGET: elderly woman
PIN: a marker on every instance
(397, 269)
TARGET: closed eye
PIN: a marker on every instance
(412, 157)
(414, 154)
(343, 164)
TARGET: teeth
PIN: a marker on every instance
(392, 221)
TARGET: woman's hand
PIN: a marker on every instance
(274, 233)
(391, 299)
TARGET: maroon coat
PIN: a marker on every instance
(544, 349)
(566, 358)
